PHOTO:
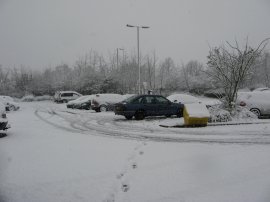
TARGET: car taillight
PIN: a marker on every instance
(4, 116)
(242, 103)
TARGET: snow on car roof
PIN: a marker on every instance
(183, 98)
(109, 97)
(255, 95)
(82, 99)
(262, 89)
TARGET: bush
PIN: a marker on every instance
(242, 113)
(218, 114)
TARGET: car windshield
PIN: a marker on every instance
(130, 99)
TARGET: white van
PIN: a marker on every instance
(65, 96)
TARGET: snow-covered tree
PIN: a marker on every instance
(229, 66)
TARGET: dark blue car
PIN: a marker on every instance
(141, 106)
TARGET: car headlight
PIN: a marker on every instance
(4, 116)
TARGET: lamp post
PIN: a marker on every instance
(138, 46)
(117, 56)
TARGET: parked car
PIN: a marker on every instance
(189, 99)
(3, 119)
(65, 96)
(83, 102)
(183, 98)
(9, 103)
(141, 106)
(261, 89)
(255, 101)
(105, 102)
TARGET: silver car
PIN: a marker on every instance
(256, 101)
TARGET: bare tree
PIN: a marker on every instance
(229, 66)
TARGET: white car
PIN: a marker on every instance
(83, 102)
(65, 96)
(189, 99)
(105, 102)
(255, 101)
(183, 98)
(3, 119)
(9, 103)
(261, 89)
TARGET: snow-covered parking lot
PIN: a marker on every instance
(55, 154)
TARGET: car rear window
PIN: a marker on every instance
(161, 100)
(67, 95)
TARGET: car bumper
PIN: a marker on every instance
(4, 126)
(124, 113)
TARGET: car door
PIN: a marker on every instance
(149, 105)
(260, 100)
(163, 106)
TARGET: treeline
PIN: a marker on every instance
(93, 74)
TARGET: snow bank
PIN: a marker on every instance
(197, 110)
(31, 98)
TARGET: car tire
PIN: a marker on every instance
(128, 117)
(139, 115)
(255, 111)
(87, 108)
(103, 108)
(11, 108)
(179, 114)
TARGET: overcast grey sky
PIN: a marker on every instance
(42, 33)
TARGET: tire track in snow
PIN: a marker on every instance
(107, 128)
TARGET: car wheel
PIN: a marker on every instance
(256, 112)
(103, 108)
(139, 115)
(11, 108)
(128, 117)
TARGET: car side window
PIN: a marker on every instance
(150, 100)
(161, 100)
(66, 95)
(138, 100)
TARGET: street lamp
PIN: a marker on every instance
(121, 69)
(138, 46)
(117, 56)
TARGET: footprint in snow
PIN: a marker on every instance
(134, 165)
(125, 187)
(120, 175)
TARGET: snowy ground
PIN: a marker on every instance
(54, 154)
